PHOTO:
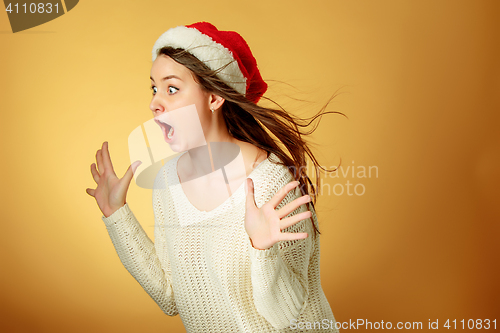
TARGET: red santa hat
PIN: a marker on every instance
(223, 51)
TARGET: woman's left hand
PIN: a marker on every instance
(264, 224)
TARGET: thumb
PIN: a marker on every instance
(249, 192)
(131, 171)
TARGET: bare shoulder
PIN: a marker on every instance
(252, 155)
(261, 155)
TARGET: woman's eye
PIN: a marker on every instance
(154, 89)
(172, 90)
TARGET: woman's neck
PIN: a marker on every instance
(202, 161)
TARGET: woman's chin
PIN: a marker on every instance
(178, 147)
(174, 147)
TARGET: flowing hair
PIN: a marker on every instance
(246, 121)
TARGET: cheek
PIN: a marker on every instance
(188, 122)
(205, 117)
(194, 95)
(194, 103)
(201, 103)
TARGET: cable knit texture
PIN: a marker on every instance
(203, 267)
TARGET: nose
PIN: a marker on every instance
(157, 105)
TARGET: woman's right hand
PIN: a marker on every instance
(111, 191)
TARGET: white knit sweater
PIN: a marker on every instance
(202, 265)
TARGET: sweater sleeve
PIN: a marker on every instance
(280, 274)
(139, 255)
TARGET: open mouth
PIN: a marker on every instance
(168, 131)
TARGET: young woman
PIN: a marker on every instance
(246, 261)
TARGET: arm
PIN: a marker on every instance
(138, 254)
(280, 274)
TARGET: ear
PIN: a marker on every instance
(215, 101)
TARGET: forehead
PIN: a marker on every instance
(164, 66)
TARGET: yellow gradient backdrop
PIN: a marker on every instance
(419, 81)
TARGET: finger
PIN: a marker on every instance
(100, 165)
(282, 192)
(106, 157)
(90, 192)
(95, 173)
(250, 200)
(290, 207)
(289, 221)
(288, 236)
(130, 172)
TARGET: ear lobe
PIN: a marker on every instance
(216, 101)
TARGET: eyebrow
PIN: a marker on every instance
(168, 77)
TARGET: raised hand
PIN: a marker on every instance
(111, 191)
(264, 224)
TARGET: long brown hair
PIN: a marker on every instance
(248, 121)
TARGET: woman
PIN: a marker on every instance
(245, 261)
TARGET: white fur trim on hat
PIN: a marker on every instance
(203, 47)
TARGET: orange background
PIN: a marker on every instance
(419, 81)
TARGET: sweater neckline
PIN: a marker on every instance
(229, 200)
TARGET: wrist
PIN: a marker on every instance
(259, 246)
(111, 210)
